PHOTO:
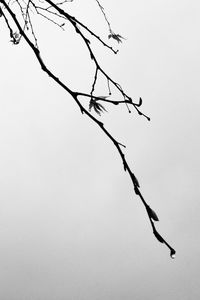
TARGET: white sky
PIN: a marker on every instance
(70, 224)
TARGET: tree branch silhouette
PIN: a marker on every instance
(54, 12)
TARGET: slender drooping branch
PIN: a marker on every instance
(112, 34)
(94, 100)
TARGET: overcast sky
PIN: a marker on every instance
(71, 226)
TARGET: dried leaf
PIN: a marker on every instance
(135, 181)
(116, 37)
(158, 236)
(152, 214)
(98, 108)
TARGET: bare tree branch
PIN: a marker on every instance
(94, 101)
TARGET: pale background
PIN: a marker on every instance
(70, 225)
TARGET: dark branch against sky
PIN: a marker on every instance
(19, 13)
